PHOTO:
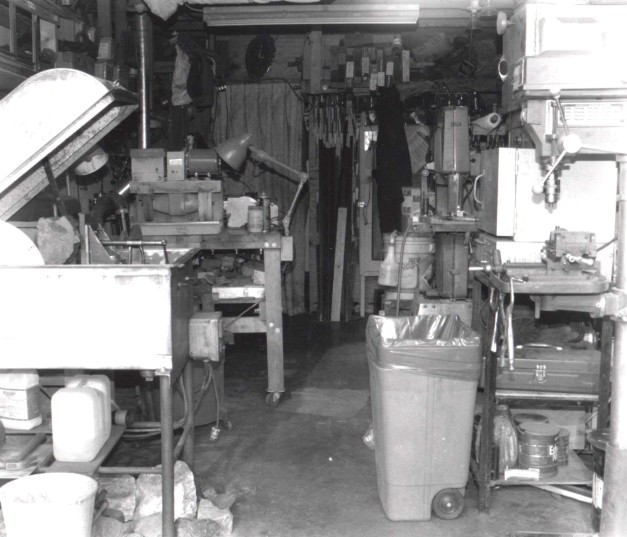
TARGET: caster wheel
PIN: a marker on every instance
(273, 399)
(448, 504)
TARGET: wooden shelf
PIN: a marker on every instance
(91, 467)
(575, 473)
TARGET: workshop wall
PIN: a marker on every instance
(435, 53)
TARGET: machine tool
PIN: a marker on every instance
(186, 186)
(565, 93)
(451, 150)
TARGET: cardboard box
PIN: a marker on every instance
(205, 336)
(105, 69)
(106, 49)
(75, 60)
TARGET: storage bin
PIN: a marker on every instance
(424, 373)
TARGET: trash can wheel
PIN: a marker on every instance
(273, 398)
(448, 504)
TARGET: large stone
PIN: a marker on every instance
(223, 501)
(56, 239)
(149, 493)
(223, 517)
(107, 527)
(192, 527)
(150, 526)
(121, 493)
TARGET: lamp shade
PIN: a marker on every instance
(234, 150)
(95, 159)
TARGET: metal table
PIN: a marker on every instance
(276, 248)
(60, 317)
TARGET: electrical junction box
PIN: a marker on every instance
(148, 164)
(508, 208)
(176, 165)
(206, 336)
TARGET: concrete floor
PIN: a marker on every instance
(302, 469)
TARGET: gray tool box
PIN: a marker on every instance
(552, 369)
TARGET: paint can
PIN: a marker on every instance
(265, 203)
(599, 440)
(418, 258)
(563, 441)
(255, 219)
(538, 447)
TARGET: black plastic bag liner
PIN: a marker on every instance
(433, 345)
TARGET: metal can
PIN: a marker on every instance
(265, 203)
(255, 219)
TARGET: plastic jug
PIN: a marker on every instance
(78, 425)
(103, 385)
(388, 270)
(19, 399)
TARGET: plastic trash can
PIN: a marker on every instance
(51, 505)
(424, 373)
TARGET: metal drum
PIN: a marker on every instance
(538, 447)
(526, 417)
(563, 441)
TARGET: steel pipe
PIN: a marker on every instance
(530, 395)
(614, 514)
(188, 433)
(134, 470)
(144, 62)
(167, 456)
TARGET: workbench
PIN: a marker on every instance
(276, 248)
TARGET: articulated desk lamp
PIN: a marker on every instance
(234, 152)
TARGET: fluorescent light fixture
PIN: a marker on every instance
(311, 14)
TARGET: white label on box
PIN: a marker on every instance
(597, 491)
(380, 78)
(373, 82)
(389, 69)
(350, 69)
(365, 65)
(20, 404)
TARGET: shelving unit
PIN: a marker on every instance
(576, 472)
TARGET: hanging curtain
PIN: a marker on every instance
(273, 114)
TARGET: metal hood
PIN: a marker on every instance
(55, 115)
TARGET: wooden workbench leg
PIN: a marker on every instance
(188, 448)
(607, 333)
(167, 456)
(274, 320)
(484, 474)
(487, 426)
(362, 295)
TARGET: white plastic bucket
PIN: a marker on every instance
(418, 255)
(53, 504)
